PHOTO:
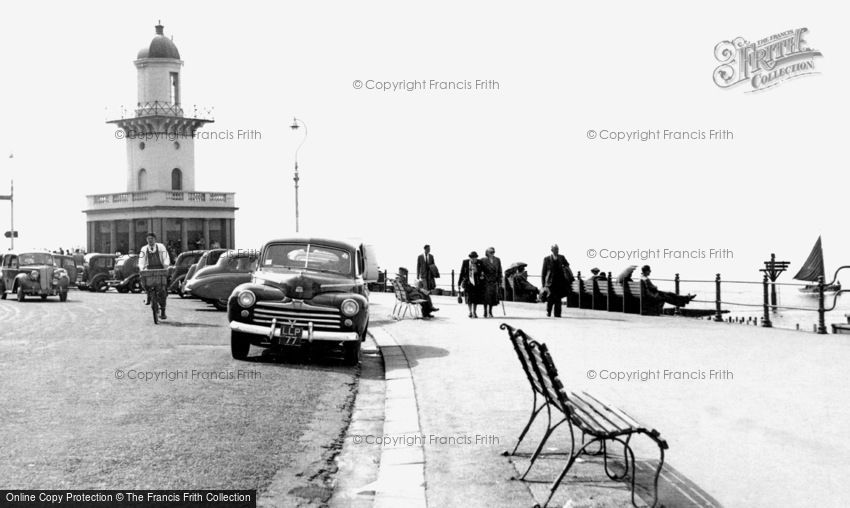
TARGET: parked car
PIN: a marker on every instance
(209, 257)
(33, 274)
(177, 272)
(214, 283)
(305, 292)
(67, 262)
(125, 275)
(97, 269)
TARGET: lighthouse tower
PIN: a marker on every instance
(160, 175)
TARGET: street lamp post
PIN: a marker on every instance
(296, 123)
(11, 199)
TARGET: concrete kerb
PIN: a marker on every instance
(401, 476)
(374, 472)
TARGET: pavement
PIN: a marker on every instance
(753, 416)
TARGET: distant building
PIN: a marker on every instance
(161, 195)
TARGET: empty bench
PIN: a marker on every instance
(602, 423)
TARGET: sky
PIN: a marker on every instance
(512, 167)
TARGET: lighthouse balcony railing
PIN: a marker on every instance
(160, 198)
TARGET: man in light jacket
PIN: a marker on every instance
(154, 256)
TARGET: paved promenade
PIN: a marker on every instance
(754, 417)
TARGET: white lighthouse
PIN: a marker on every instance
(160, 195)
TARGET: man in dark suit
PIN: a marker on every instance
(426, 270)
(556, 278)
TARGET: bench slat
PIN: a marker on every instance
(619, 412)
(598, 417)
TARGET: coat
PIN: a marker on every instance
(426, 271)
(556, 274)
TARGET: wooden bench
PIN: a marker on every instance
(630, 297)
(403, 303)
(601, 421)
(594, 294)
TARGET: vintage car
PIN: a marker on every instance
(67, 262)
(214, 283)
(209, 257)
(97, 269)
(177, 271)
(305, 292)
(125, 276)
(33, 273)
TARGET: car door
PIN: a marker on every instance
(10, 270)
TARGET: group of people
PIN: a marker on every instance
(481, 283)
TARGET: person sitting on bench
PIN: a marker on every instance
(662, 297)
(418, 294)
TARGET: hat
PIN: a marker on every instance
(594, 271)
(473, 254)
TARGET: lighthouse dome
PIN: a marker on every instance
(160, 47)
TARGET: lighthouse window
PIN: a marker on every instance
(142, 145)
(142, 179)
(175, 89)
(177, 145)
(176, 179)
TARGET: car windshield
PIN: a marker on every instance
(307, 257)
(35, 258)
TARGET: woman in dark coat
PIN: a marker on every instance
(472, 282)
(492, 268)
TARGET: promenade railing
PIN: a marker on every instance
(449, 286)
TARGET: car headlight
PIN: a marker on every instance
(246, 298)
(350, 308)
(34, 275)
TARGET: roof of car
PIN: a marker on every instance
(347, 242)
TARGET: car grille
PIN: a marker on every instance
(323, 318)
(44, 278)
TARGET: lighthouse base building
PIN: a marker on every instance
(160, 195)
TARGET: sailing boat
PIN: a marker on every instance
(814, 268)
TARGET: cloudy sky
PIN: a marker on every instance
(511, 167)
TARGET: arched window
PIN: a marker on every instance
(142, 179)
(176, 179)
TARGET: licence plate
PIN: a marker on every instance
(291, 335)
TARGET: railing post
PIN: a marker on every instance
(718, 315)
(678, 310)
(821, 310)
(453, 283)
(766, 319)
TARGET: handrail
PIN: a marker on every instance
(835, 277)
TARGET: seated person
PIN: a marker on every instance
(658, 297)
(524, 291)
(418, 294)
(596, 274)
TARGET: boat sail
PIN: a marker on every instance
(813, 268)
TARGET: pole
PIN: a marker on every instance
(766, 320)
(453, 282)
(773, 278)
(296, 196)
(678, 310)
(718, 315)
(12, 203)
(821, 311)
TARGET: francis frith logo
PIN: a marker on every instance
(764, 64)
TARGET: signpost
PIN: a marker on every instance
(773, 269)
(11, 234)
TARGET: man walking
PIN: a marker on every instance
(426, 270)
(154, 256)
(557, 278)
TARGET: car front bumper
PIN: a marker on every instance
(310, 335)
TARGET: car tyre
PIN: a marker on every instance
(21, 296)
(99, 285)
(220, 304)
(351, 352)
(239, 345)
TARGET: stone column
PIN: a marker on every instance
(112, 237)
(184, 234)
(228, 243)
(206, 233)
(131, 245)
